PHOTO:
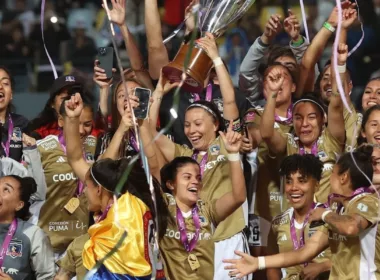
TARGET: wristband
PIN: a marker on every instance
(218, 61)
(325, 214)
(233, 157)
(261, 263)
(329, 27)
(298, 43)
(342, 68)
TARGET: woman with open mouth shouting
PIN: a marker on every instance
(308, 120)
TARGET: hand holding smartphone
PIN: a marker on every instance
(105, 58)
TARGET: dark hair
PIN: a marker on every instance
(169, 171)
(362, 164)
(366, 116)
(27, 187)
(280, 51)
(110, 172)
(8, 72)
(314, 99)
(48, 116)
(307, 165)
(222, 123)
(62, 110)
(317, 87)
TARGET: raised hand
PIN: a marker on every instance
(28, 141)
(275, 80)
(243, 266)
(349, 17)
(292, 26)
(342, 54)
(333, 18)
(272, 28)
(190, 22)
(126, 120)
(232, 140)
(118, 12)
(100, 77)
(164, 85)
(246, 145)
(208, 44)
(74, 106)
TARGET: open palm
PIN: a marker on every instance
(118, 12)
(241, 267)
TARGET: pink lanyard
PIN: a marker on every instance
(104, 214)
(298, 244)
(357, 192)
(203, 162)
(289, 116)
(208, 94)
(11, 232)
(182, 228)
(10, 132)
(61, 141)
(314, 148)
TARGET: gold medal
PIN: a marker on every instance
(193, 261)
(72, 205)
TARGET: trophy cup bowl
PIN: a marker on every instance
(214, 17)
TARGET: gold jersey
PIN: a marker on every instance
(61, 226)
(173, 251)
(216, 183)
(352, 124)
(280, 241)
(329, 149)
(357, 257)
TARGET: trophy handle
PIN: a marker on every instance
(197, 71)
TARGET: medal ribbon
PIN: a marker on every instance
(357, 192)
(298, 244)
(11, 232)
(289, 116)
(104, 214)
(203, 162)
(208, 94)
(10, 132)
(133, 142)
(314, 148)
(182, 229)
(80, 185)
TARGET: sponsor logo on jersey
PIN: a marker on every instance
(284, 238)
(15, 249)
(64, 177)
(90, 141)
(10, 271)
(50, 145)
(59, 226)
(275, 196)
(176, 234)
(61, 159)
(212, 164)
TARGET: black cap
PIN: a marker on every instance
(65, 81)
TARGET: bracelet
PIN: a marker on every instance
(298, 43)
(261, 263)
(325, 214)
(233, 157)
(218, 61)
(329, 27)
(342, 68)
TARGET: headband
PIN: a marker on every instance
(203, 107)
(309, 100)
(93, 177)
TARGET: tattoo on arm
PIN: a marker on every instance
(341, 223)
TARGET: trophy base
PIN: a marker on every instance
(196, 73)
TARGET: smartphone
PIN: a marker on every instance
(143, 94)
(105, 57)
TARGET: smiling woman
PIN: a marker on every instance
(13, 125)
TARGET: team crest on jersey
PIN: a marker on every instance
(171, 199)
(203, 221)
(219, 103)
(17, 135)
(322, 156)
(362, 207)
(214, 150)
(89, 157)
(15, 249)
(90, 141)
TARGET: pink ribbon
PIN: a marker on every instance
(363, 33)
(304, 19)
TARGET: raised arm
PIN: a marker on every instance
(230, 109)
(249, 78)
(104, 84)
(157, 53)
(248, 264)
(73, 109)
(275, 141)
(335, 111)
(231, 201)
(163, 143)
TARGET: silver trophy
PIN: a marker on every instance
(214, 17)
